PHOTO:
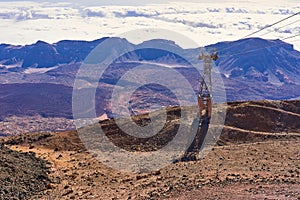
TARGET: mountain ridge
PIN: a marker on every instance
(272, 73)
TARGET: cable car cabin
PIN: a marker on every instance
(214, 56)
(205, 105)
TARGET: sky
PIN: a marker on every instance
(202, 22)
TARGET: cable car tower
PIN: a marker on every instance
(204, 106)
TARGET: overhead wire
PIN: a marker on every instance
(264, 29)
(271, 25)
(253, 50)
(291, 37)
(281, 27)
(295, 40)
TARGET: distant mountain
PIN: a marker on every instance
(44, 55)
(253, 59)
(252, 69)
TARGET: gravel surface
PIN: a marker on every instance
(22, 174)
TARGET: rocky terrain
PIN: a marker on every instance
(22, 174)
(257, 157)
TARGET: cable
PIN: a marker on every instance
(271, 25)
(291, 37)
(281, 27)
(263, 29)
(295, 40)
(260, 48)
